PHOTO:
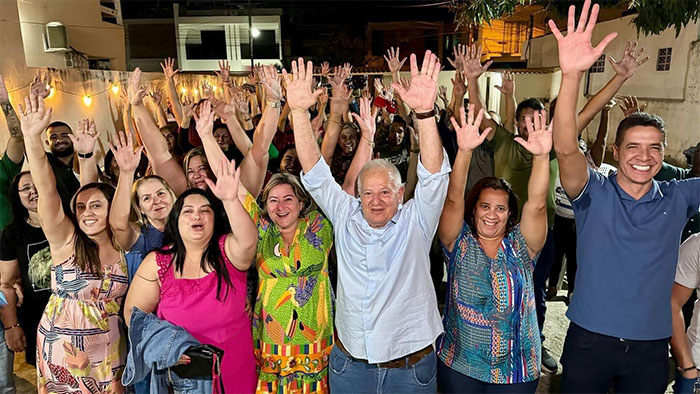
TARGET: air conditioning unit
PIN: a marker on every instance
(55, 38)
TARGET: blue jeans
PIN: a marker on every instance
(350, 376)
(451, 381)
(540, 276)
(7, 363)
(683, 385)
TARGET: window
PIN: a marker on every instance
(599, 65)
(663, 61)
(205, 44)
(264, 45)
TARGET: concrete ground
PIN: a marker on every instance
(555, 328)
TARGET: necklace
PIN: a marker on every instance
(32, 222)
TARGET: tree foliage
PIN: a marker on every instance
(655, 16)
(469, 13)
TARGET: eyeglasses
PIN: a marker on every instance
(27, 189)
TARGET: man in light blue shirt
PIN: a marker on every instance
(387, 318)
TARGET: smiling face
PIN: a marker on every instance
(155, 201)
(27, 192)
(59, 142)
(92, 211)
(380, 197)
(196, 220)
(640, 155)
(169, 138)
(491, 214)
(397, 131)
(290, 162)
(197, 171)
(347, 141)
(283, 207)
(223, 138)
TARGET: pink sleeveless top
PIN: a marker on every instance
(192, 304)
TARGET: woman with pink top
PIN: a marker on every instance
(198, 282)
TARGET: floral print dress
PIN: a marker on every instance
(81, 342)
(292, 323)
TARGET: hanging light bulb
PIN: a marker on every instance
(115, 89)
(213, 88)
(196, 91)
(51, 92)
(87, 100)
(183, 90)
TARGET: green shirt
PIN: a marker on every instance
(8, 171)
(514, 164)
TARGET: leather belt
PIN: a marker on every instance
(402, 362)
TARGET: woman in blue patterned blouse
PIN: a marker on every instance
(491, 341)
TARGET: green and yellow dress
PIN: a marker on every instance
(292, 323)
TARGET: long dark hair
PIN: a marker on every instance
(495, 184)
(212, 256)
(19, 211)
(87, 252)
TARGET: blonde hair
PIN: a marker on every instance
(135, 216)
(284, 178)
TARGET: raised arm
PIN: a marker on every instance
(412, 173)
(169, 70)
(242, 240)
(394, 62)
(57, 226)
(368, 126)
(300, 98)
(468, 139)
(533, 223)
(340, 101)
(420, 97)
(459, 89)
(84, 143)
(156, 146)
(224, 75)
(576, 55)
(597, 150)
(472, 71)
(15, 145)
(254, 165)
(155, 96)
(624, 70)
(508, 90)
(123, 150)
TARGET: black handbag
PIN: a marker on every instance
(205, 362)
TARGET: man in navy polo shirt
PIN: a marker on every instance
(628, 229)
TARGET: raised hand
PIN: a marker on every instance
(472, 63)
(123, 150)
(366, 118)
(576, 54)
(347, 69)
(4, 96)
(393, 61)
(459, 87)
(366, 95)
(630, 60)
(205, 119)
(156, 95)
(442, 93)
(468, 136)
(271, 82)
(508, 86)
(135, 92)
(85, 137)
(39, 85)
(299, 94)
(224, 72)
(420, 96)
(325, 69)
(460, 53)
(240, 103)
(539, 140)
(630, 105)
(35, 117)
(168, 67)
(227, 178)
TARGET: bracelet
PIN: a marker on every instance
(690, 368)
(11, 327)
(85, 155)
(273, 104)
(425, 115)
(370, 142)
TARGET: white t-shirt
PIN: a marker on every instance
(562, 204)
(688, 275)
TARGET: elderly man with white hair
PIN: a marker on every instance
(387, 318)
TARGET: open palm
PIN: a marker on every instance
(468, 136)
(127, 159)
(539, 140)
(227, 179)
(420, 95)
(299, 93)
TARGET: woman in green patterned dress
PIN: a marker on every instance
(292, 323)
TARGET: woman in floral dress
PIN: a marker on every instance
(81, 346)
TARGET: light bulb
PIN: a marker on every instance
(115, 89)
(255, 33)
(196, 91)
(51, 91)
(183, 90)
(213, 88)
(87, 100)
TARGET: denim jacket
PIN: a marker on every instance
(155, 345)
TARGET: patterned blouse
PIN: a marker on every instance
(292, 322)
(491, 331)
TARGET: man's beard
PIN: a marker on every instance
(63, 152)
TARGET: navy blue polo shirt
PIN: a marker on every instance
(627, 254)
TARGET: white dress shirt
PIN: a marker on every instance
(386, 306)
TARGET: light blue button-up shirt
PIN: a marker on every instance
(386, 306)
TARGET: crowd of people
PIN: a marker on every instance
(268, 242)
